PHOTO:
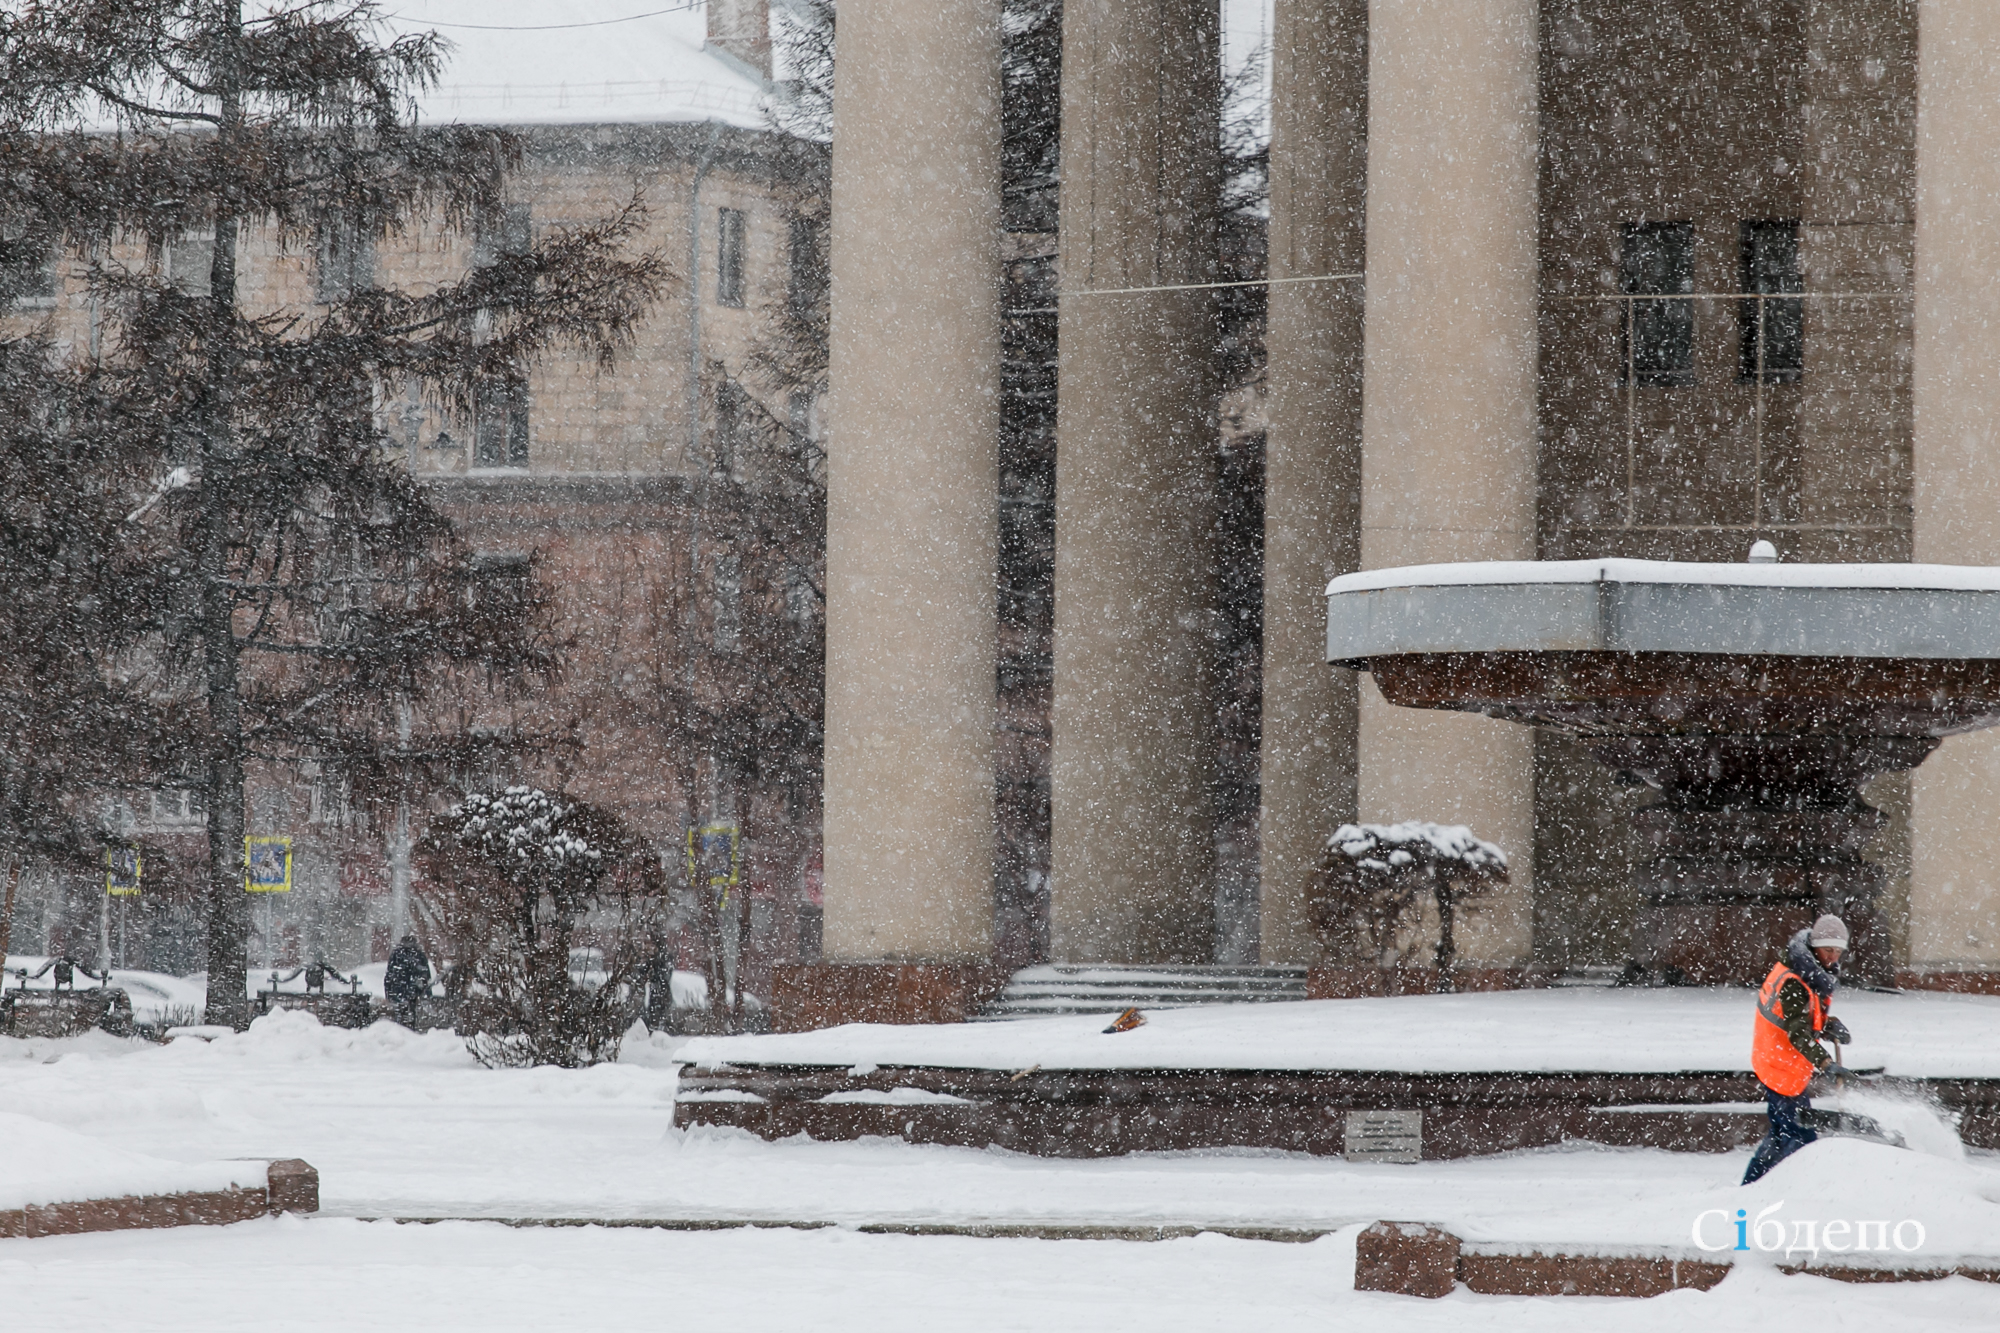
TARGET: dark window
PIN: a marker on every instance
(729, 256)
(801, 601)
(730, 409)
(812, 932)
(1774, 332)
(345, 258)
(506, 230)
(728, 625)
(500, 424)
(806, 281)
(1658, 259)
(27, 269)
(502, 582)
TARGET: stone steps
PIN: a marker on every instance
(1050, 989)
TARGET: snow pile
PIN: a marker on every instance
(1387, 847)
(292, 1036)
(42, 1163)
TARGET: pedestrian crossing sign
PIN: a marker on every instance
(267, 865)
(123, 867)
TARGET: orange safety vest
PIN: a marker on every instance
(1777, 1062)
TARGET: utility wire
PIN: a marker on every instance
(553, 27)
(1208, 286)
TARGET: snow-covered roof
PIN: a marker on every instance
(580, 62)
(1961, 578)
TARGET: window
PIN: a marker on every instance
(1658, 258)
(502, 582)
(799, 410)
(1774, 332)
(801, 599)
(271, 809)
(507, 230)
(729, 257)
(188, 263)
(183, 807)
(345, 258)
(27, 269)
(728, 624)
(500, 424)
(806, 285)
(326, 800)
(729, 411)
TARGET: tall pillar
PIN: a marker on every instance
(1312, 448)
(1132, 823)
(1448, 414)
(1954, 888)
(911, 482)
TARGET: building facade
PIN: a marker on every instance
(1550, 279)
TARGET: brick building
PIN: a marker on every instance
(669, 503)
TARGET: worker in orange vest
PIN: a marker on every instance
(1785, 1049)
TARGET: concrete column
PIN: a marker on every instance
(1133, 827)
(1312, 449)
(1448, 414)
(911, 482)
(1955, 847)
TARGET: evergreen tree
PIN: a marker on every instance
(309, 601)
(70, 721)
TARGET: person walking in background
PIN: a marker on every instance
(1785, 1049)
(407, 980)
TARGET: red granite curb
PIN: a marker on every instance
(291, 1186)
(1418, 1259)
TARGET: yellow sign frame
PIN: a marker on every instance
(696, 837)
(117, 885)
(253, 882)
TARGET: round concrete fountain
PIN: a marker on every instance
(1757, 699)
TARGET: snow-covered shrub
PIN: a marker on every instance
(513, 884)
(1375, 878)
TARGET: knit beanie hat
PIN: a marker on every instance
(1829, 932)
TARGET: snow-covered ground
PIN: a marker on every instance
(481, 1278)
(42, 1163)
(1919, 1034)
(404, 1125)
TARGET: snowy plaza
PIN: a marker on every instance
(999, 664)
(405, 1126)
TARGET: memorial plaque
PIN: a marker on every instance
(1384, 1136)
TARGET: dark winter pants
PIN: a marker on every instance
(1787, 1135)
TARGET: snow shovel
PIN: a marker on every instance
(1848, 1124)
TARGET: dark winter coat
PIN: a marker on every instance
(409, 973)
(1796, 1006)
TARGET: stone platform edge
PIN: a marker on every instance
(1109, 1112)
(290, 1186)
(1418, 1259)
(807, 996)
